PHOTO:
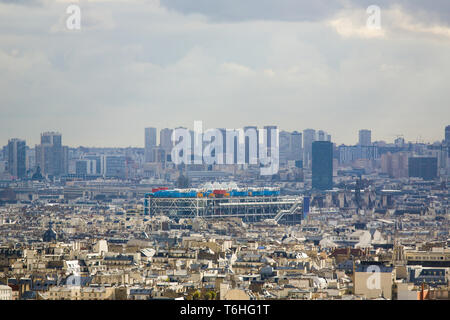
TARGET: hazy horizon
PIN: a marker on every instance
(32, 145)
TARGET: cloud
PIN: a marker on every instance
(303, 10)
(143, 63)
(237, 10)
(395, 21)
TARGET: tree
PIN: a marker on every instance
(196, 295)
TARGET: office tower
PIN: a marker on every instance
(86, 167)
(51, 156)
(98, 162)
(114, 166)
(248, 141)
(447, 135)
(81, 167)
(395, 165)
(399, 142)
(322, 165)
(346, 154)
(422, 167)
(150, 143)
(193, 156)
(321, 135)
(223, 131)
(285, 147)
(169, 145)
(4, 153)
(65, 160)
(159, 154)
(165, 141)
(296, 146)
(309, 136)
(349, 154)
(231, 137)
(235, 148)
(400, 164)
(17, 158)
(270, 144)
(365, 137)
(30, 159)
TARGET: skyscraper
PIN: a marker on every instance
(297, 149)
(447, 135)
(98, 162)
(114, 166)
(322, 165)
(85, 167)
(309, 136)
(296, 146)
(17, 158)
(447, 140)
(423, 167)
(395, 165)
(365, 137)
(51, 156)
(65, 160)
(150, 143)
(285, 147)
(165, 140)
(270, 144)
(321, 135)
(290, 146)
(193, 156)
(159, 155)
(249, 132)
(224, 144)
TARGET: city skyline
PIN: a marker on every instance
(355, 141)
(224, 151)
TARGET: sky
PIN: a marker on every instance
(297, 64)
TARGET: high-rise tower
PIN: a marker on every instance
(17, 158)
(322, 165)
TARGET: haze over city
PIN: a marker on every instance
(248, 155)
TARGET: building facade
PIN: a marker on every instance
(365, 137)
(51, 155)
(17, 158)
(150, 143)
(423, 167)
(322, 165)
(309, 136)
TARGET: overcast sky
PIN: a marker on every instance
(230, 63)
